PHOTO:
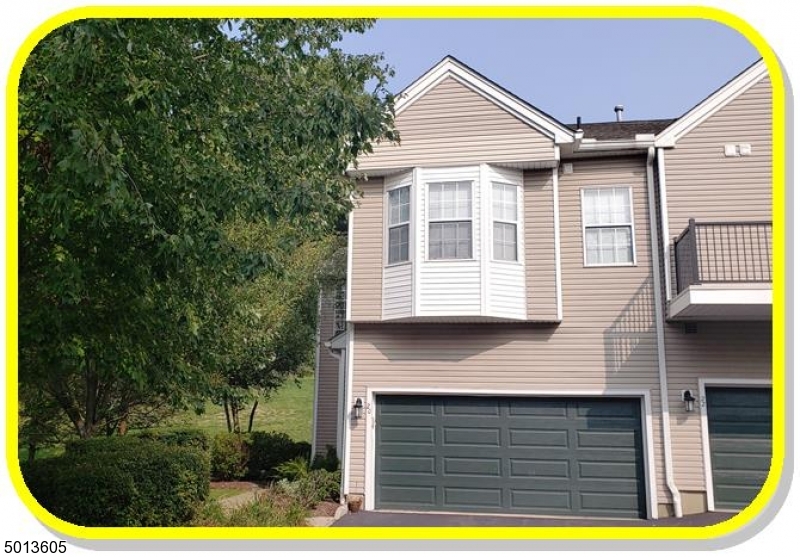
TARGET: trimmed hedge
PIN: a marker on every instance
(121, 481)
(180, 438)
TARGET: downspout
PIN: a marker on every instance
(655, 257)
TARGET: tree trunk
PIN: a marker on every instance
(227, 413)
(31, 451)
(252, 416)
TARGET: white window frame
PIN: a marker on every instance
(515, 222)
(390, 226)
(631, 224)
(429, 221)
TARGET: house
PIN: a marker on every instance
(553, 319)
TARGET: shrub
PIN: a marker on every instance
(229, 456)
(265, 510)
(180, 438)
(309, 486)
(121, 481)
(329, 461)
(100, 446)
(268, 450)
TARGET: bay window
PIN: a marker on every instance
(450, 220)
(399, 219)
(504, 229)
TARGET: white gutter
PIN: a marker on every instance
(345, 417)
(662, 358)
(662, 190)
(316, 378)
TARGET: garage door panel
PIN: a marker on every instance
(408, 464)
(474, 466)
(465, 407)
(473, 497)
(521, 408)
(409, 435)
(541, 501)
(538, 468)
(472, 437)
(607, 502)
(607, 439)
(512, 455)
(538, 438)
(403, 496)
(600, 469)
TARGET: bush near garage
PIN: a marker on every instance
(269, 450)
(121, 481)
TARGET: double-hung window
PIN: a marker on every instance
(504, 230)
(608, 226)
(399, 219)
(450, 220)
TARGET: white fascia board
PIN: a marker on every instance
(704, 110)
(449, 68)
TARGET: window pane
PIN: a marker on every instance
(398, 244)
(505, 241)
(450, 240)
(610, 245)
(435, 203)
(399, 205)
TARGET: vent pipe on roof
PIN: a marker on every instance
(619, 109)
(578, 125)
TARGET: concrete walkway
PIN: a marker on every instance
(373, 518)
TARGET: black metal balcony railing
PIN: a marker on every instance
(723, 252)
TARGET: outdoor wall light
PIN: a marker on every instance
(358, 409)
(689, 400)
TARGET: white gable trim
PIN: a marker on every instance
(491, 92)
(711, 105)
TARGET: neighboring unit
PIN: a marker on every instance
(501, 344)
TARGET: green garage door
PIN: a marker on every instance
(546, 456)
(740, 439)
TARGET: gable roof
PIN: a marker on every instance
(451, 67)
(714, 102)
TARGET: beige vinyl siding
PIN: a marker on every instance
(702, 183)
(452, 124)
(327, 380)
(540, 253)
(366, 275)
(606, 340)
(732, 350)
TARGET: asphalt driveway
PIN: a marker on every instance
(372, 518)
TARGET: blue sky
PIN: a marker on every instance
(570, 68)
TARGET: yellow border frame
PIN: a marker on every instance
(472, 12)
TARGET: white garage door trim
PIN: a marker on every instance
(706, 443)
(647, 428)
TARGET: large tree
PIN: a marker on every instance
(142, 145)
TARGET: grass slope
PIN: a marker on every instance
(289, 410)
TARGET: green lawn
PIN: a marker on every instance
(289, 410)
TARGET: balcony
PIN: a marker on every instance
(723, 272)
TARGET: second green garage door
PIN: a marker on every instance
(513, 455)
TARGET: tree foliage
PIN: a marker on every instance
(146, 148)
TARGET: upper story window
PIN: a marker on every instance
(450, 220)
(607, 226)
(504, 229)
(399, 219)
